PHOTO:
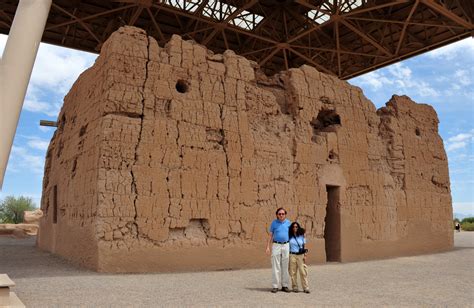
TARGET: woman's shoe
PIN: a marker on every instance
(307, 291)
(285, 289)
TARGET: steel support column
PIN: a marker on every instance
(15, 69)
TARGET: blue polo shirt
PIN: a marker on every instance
(280, 230)
(296, 243)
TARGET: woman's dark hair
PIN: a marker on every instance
(299, 232)
(279, 209)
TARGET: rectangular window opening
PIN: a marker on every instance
(55, 204)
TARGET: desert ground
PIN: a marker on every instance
(442, 279)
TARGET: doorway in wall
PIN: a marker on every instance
(332, 229)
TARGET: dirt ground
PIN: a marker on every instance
(443, 279)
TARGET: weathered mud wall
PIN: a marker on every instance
(175, 158)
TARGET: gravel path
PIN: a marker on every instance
(443, 279)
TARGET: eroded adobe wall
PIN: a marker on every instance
(70, 194)
(398, 199)
(191, 153)
(394, 189)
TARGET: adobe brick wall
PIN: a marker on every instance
(151, 179)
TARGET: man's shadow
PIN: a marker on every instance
(259, 289)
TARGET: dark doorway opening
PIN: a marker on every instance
(332, 228)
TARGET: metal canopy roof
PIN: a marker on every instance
(345, 38)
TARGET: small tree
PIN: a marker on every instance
(467, 224)
(12, 208)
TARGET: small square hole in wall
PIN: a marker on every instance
(418, 132)
(182, 86)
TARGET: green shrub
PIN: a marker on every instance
(467, 226)
(468, 219)
(12, 208)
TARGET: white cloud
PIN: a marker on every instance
(424, 89)
(400, 79)
(455, 146)
(461, 137)
(400, 71)
(463, 77)
(436, 77)
(22, 159)
(374, 80)
(50, 109)
(38, 143)
(54, 72)
(460, 82)
(458, 50)
(46, 128)
(459, 141)
(57, 68)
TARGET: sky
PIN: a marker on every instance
(442, 78)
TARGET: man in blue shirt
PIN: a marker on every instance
(280, 251)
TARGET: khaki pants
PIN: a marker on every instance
(280, 253)
(297, 266)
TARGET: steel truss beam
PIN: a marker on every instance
(336, 36)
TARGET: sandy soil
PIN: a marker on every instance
(444, 279)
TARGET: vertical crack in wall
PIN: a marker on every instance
(224, 147)
(169, 192)
(142, 115)
(241, 149)
(224, 143)
(180, 148)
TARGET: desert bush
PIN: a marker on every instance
(467, 226)
(12, 208)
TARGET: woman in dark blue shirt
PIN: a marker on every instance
(297, 257)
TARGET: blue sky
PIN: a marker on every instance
(443, 78)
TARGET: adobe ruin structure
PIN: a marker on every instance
(174, 158)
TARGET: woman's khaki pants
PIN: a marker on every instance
(297, 266)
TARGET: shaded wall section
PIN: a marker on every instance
(175, 158)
